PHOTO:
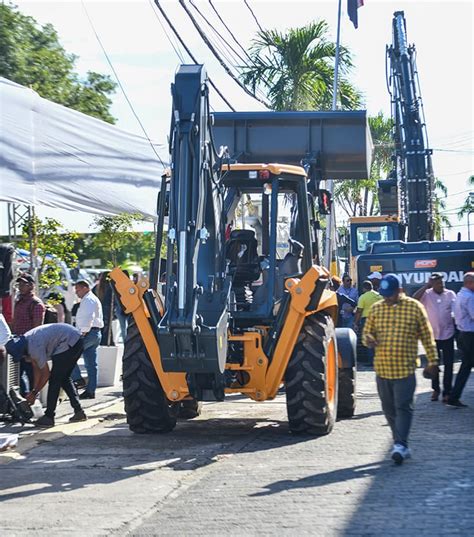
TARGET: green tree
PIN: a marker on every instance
(360, 197)
(440, 218)
(296, 69)
(468, 205)
(51, 244)
(114, 233)
(32, 56)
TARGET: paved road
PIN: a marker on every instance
(237, 471)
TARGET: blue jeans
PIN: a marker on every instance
(347, 322)
(370, 353)
(397, 397)
(91, 342)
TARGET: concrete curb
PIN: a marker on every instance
(40, 436)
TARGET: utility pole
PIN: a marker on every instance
(331, 220)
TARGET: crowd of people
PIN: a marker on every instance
(391, 324)
(32, 339)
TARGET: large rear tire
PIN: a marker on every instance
(347, 393)
(146, 406)
(311, 378)
(347, 348)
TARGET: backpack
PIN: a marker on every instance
(50, 314)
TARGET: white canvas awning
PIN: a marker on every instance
(54, 156)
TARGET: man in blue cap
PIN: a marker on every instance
(393, 327)
(62, 344)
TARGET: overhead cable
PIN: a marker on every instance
(214, 29)
(247, 60)
(230, 31)
(175, 48)
(170, 24)
(253, 15)
(120, 84)
(218, 57)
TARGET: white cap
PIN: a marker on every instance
(374, 276)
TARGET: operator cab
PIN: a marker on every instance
(268, 239)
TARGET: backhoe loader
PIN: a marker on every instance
(241, 303)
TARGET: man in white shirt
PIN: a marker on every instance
(89, 321)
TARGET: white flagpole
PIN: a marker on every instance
(331, 223)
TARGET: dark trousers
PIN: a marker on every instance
(446, 356)
(60, 377)
(466, 345)
(397, 396)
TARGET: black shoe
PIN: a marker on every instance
(455, 403)
(44, 421)
(87, 395)
(80, 415)
(81, 383)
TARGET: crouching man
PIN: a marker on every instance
(63, 345)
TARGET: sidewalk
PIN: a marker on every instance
(105, 397)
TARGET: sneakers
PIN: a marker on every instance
(455, 403)
(44, 422)
(87, 395)
(80, 415)
(400, 453)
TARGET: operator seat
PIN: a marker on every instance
(241, 251)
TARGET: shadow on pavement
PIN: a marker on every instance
(430, 494)
(319, 480)
(88, 459)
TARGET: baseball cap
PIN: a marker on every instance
(374, 276)
(436, 276)
(389, 285)
(16, 347)
(27, 278)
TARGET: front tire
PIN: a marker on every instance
(146, 406)
(311, 378)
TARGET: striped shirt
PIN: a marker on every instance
(397, 330)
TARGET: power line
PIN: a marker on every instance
(175, 48)
(453, 150)
(217, 56)
(247, 58)
(253, 15)
(216, 31)
(170, 24)
(230, 31)
(120, 84)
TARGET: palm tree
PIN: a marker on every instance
(295, 69)
(360, 198)
(440, 219)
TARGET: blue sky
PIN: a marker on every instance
(146, 63)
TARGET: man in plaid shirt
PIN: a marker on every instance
(27, 314)
(393, 327)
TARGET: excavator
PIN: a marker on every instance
(240, 304)
(400, 239)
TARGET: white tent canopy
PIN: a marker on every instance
(54, 156)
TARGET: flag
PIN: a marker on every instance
(352, 7)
